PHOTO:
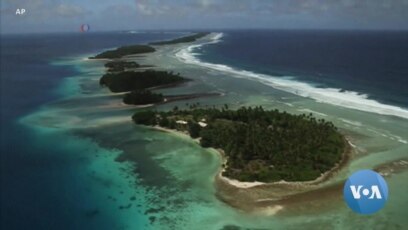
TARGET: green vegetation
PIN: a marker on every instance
(118, 66)
(259, 145)
(119, 79)
(130, 80)
(142, 97)
(190, 38)
(125, 50)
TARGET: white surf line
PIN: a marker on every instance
(353, 123)
(334, 96)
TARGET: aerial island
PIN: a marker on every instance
(256, 144)
(141, 49)
(190, 38)
(259, 145)
(118, 66)
(124, 76)
(124, 51)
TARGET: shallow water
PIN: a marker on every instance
(170, 185)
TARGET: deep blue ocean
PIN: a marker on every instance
(40, 182)
(369, 62)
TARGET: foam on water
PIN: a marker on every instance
(354, 123)
(339, 97)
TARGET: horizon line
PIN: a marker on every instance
(208, 30)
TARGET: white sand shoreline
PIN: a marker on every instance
(245, 184)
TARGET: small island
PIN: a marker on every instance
(119, 66)
(141, 49)
(130, 80)
(258, 145)
(138, 85)
(142, 97)
(124, 51)
(190, 38)
(124, 76)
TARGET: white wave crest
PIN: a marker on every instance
(334, 96)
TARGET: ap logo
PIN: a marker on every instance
(365, 192)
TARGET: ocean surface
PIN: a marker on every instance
(351, 68)
(42, 175)
(62, 134)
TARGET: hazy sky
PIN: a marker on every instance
(64, 15)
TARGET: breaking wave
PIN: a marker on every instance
(334, 96)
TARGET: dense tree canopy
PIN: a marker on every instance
(142, 97)
(119, 79)
(260, 145)
(123, 51)
(117, 66)
(190, 38)
(130, 80)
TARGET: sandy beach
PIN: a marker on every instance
(260, 196)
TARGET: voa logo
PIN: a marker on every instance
(365, 192)
(375, 192)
